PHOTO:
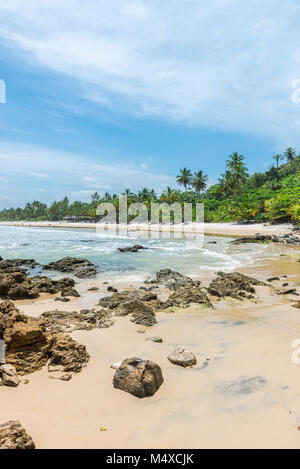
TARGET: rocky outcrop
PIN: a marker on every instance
(80, 267)
(288, 238)
(138, 377)
(14, 436)
(184, 296)
(235, 285)
(135, 248)
(136, 303)
(182, 357)
(30, 343)
(173, 280)
(67, 353)
(62, 321)
(16, 284)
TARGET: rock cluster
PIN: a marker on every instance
(16, 284)
(235, 285)
(288, 238)
(139, 377)
(29, 345)
(136, 303)
(172, 279)
(186, 295)
(14, 436)
(80, 267)
(62, 321)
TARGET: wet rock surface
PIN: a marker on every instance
(235, 285)
(182, 357)
(80, 267)
(14, 436)
(135, 248)
(16, 284)
(141, 378)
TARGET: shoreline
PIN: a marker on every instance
(209, 229)
(249, 387)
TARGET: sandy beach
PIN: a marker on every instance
(243, 392)
(216, 229)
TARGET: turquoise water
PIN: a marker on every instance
(187, 256)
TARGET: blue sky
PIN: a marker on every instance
(105, 95)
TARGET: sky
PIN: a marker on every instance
(106, 95)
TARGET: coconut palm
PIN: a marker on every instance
(199, 181)
(185, 177)
(278, 157)
(290, 154)
(169, 195)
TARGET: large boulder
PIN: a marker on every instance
(80, 267)
(138, 377)
(173, 280)
(14, 436)
(140, 312)
(182, 357)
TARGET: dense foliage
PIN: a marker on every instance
(270, 196)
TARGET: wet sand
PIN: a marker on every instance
(243, 393)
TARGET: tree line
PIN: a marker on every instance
(270, 195)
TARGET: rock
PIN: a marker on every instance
(112, 289)
(13, 436)
(62, 376)
(140, 312)
(187, 295)
(155, 339)
(138, 377)
(62, 299)
(239, 241)
(286, 284)
(173, 280)
(297, 305)
(63, 321)
(290, 291)
(9, 375)
(141, 331)
(68, 353)
(93, 289)
(233, 284)
(273, 279)
(134, 248)
(80, 267)
(70, 292)
(182, 357)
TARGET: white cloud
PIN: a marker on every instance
(226, 64)
(69, 174)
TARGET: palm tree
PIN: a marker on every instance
(169, 195)
(199, 181)
(290, 154)
(278, 157)
(185, 177)
(144, 194)
(234, 160)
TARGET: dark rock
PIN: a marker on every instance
(186, 295)
(80, 267)
(62, 299)
(112, 289)
(134, 248)
(93, 289)
(289, 291)
(234, 284)
(272, 279)
(70, 292)
(14, 436)
(138, 377)
(155, 339)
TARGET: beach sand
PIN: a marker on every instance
(244, 391)
(216, 229)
